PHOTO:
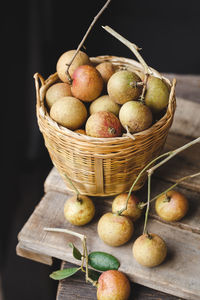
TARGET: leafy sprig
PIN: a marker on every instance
(100, 261)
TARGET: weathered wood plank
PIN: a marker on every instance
(54, 182)
(186, 120)
(188, 86)
(183, 164)
(178, 275)
(22, 251)
(76, 286)
(190, 222)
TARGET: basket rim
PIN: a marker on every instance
(43, 113)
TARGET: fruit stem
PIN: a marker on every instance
(84, 38)
(170, 188)
(149, 236)
(84, 245)
(146, 76)
(138, 177)
(167, 198)
(85, 251)
(79, 199)
(148, 203)
(168, 156)
(63, 230)
(134, 48)
(128, 133)
(75, 189)
(173, 153)
(111, 130)
(86, 258)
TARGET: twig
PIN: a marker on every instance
(137, 178)
(173, 153)
(75, 189)
(84, 245)
(84, 38)
(146, 76)
(148, 204)
(168, 156)
(87, 278)
(63, 230)
(86, 258)
(170, 188)
(150, 172)
(134, 48)
(129, 134)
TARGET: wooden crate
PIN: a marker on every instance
(180, 274)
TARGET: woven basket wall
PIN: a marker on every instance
(101, 166)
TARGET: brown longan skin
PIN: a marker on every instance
(113, 285)
(87, 83)
(57, 91)
(106, 69)
(69, 112)
(103, 124)
(115, 230)
(121, 87)
(157, 94)
(136, 116)
(79, 212)
(149, 250)
(173, 208)
(132, 211)
(104, 103)
(81, 59)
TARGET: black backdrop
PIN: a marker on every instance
(34, 33)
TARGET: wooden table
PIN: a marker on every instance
(40, 247)
(77, 288)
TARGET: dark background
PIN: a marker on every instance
(34, 33)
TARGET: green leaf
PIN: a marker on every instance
(94, 275)
(76, 252)
(61, 274)
(103, 261)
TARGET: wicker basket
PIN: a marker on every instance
(101, 166)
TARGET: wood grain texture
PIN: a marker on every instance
(77, 288)
(191, 221)
(188, 86)
(186, 120)
(178, 275)
(183, 164)
(159, 184)
(36, 256)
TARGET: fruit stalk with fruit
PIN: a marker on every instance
(78, 209)
(137, 99)
(110, 284)
(84, 38)
(133, 103)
